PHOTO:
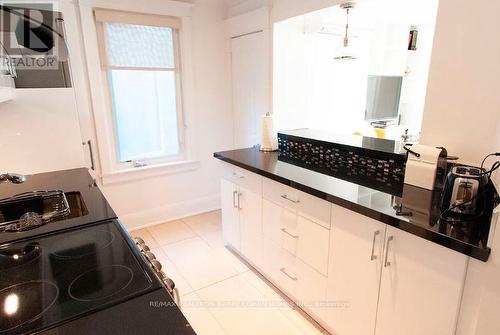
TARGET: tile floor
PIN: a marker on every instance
(219, 293)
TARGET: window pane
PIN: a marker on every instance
(139, 46)
(144, 105)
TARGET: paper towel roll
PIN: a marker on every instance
(269, 140)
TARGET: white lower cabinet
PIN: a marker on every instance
(251, 225)
(421, 286)
(356, 255)
(353, 274)
(296, 251)
(230, 214)
(241, 199)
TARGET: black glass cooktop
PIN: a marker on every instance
(51, 279)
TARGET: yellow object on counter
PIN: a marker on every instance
(380, 132)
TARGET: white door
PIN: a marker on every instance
(251, 225)
(230, 214)
(421, 286)
(250, 76)
(355, 263)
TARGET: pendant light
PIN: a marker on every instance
(345, 51)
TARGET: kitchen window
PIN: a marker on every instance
(140, 59)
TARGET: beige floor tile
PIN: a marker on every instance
(241, 309)
(204, 223)
(171, 271)
(199, 317)
(213, 239)
(229, 257)
(198, 263)
(146, 236)
(215, 216)
(171, 232)
(292, 314)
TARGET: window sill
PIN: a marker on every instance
(150, 171)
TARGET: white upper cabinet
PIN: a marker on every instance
(356, 255)
(421, 286)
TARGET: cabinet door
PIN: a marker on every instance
(230, 214)
(250, 73)
(251, 225)
(355, 262)
(421, 286)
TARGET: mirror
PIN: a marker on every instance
(360, 67)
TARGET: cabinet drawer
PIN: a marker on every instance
(303, 284)
(311, 207)
(278, 224)
(309, 241)
(241, 177)
(283, 195)
(315, 209)
(313, 244)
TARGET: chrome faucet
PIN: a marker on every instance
(13, 178)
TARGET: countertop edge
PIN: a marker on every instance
(481, 254)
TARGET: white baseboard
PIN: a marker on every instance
(170, 212)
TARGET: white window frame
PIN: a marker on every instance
(104, 16)
(111, 171)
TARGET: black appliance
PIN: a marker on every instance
(48, 280)
(464, 191)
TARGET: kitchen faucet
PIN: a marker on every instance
(13, 178)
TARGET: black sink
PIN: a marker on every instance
(29, 210)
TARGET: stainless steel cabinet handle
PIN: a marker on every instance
(284, 196)
(234, 199)
(239, 195)
(288, 233)
(386, 262)
(89, 143)
(375, 234)
(283, 270)
(238, 175)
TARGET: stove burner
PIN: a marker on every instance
(83, 243)
(26, 302)
(11, 257)
(100, 283)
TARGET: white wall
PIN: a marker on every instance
(462, 108)
(39, 131)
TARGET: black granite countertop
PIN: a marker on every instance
(75, 180)
(469, 238)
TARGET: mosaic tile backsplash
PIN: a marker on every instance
(379, 170)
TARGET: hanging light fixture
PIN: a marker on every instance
(345, 51)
